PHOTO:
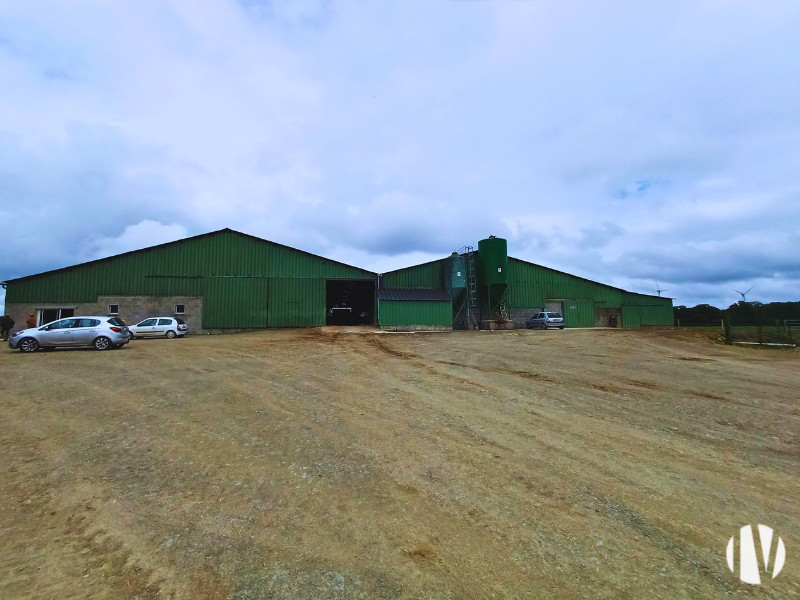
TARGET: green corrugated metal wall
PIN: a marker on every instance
(652, 315)
(397, 313)
(578, 313)
(297, 303)
(646, 316)
(631, 317)
(238, 302)
(249, 282)
(244, 281)
(531, 285)
(426, 275)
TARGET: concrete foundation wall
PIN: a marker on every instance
(494, 325)
(517, 316)
(520, 316)
(132, 309)
(417, 328)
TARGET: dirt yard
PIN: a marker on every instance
(325, 464)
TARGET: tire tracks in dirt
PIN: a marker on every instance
(54, 549)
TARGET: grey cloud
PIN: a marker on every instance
(397, 223)
(652, 141)
(723, 266)
(598, 237)
(63, 196)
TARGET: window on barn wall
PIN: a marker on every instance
(48, 315)
(113, 309)
(180, 309)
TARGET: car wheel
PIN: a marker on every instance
(133, 337)
(529, 326)
(544, 327)
(102, 343)
(28, 345)
(170, 334)
(561, 328)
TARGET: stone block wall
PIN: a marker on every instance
(520, 316)
(19, 311)
(417, 328)
(132, 309)
(518, 319)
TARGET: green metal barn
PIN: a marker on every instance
(226, 280)
(220, 280)
(495, 291)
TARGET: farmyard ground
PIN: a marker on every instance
(325, 464)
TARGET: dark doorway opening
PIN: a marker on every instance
(48, 315)
(349, 302)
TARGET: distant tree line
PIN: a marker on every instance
(740, 312)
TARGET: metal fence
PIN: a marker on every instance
(755, 330)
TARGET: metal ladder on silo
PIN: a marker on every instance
(472, 286)
(502, 312)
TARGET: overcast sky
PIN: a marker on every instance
(627, 142)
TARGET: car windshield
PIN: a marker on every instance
(556, 315)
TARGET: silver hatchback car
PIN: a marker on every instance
(169, 327)
(101, 332)
(544, 320)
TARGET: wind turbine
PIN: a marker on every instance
(743, 294)
(659, 290)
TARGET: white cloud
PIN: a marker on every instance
(134, 237)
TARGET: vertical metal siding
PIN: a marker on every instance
(652, 315)
(297, 303)
(395, 313)
(426, 275)
(578, 313)
(235, 274)
(210, 261)
(235, 303)
(530, 285)
(631, 317)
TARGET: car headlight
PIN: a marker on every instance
(16, 334)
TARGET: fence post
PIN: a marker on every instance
(726, 325)
(760, 340)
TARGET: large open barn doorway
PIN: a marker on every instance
(349, 302)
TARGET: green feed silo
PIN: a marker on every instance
(493, 276)
(455, 274)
